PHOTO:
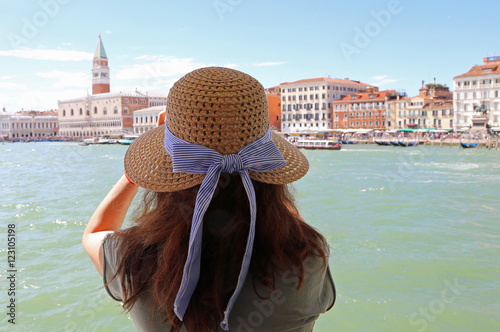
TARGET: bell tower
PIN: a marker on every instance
(100, 70)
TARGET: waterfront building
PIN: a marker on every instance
(157, 99)
(431, 108)
(366, 109)
(146, 119)
(479, 87)
(102, 112)
(29, 125)
(306, 105)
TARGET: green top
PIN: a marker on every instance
(286, 309)
(99, 50)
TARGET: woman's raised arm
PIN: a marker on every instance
(107, 218)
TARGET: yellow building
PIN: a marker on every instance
(431, 108)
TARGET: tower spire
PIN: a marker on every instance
(99, 50)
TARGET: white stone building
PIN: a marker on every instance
(99, 114)
(157, 99)
(480, 86)
(306, 105)
(28, 125)
(146, 119)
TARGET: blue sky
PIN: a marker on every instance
(46, 46)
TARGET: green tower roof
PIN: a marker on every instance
(99, 50)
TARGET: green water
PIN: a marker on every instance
(414, 234)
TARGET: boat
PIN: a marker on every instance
(348, 142)
(468, 145)
(395, 143)
(383, 143)
(127, 139)
(405, 144)
(322, 144)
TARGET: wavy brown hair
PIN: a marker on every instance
(154, 251)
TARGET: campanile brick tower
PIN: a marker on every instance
(100, 70)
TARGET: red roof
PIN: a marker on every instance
(327, 79)
(365, 96)
(490, 66)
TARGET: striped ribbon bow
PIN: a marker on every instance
(260, 155)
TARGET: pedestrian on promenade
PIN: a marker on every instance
(217, 243)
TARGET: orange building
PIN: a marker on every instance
(363, 110)
(274, 103)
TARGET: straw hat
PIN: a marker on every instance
(220, 108)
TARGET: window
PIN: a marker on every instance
(316, 106)
(64, 112)
(125, 110)
(72, 113)
(444, 112)
(115, 110)
(105, 111)
(434, 113)
(81, 111)
(95, 110)
(125, 100)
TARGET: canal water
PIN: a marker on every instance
(414, 235)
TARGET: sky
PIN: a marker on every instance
(47, 46)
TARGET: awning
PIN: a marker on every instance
(441, 130)
(495, 128)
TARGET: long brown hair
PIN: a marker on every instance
(154, 251)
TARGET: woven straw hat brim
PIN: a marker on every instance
(148, 165)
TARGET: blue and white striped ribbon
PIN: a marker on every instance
(260, 155)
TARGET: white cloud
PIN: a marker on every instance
(108, 32)
(9, 85)
(55, 55)
(161, 67)
(5, 77)
(68, 79)
(230, 65)
(267, 64)
(149, 57)
(381, 80)
(38, 99)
